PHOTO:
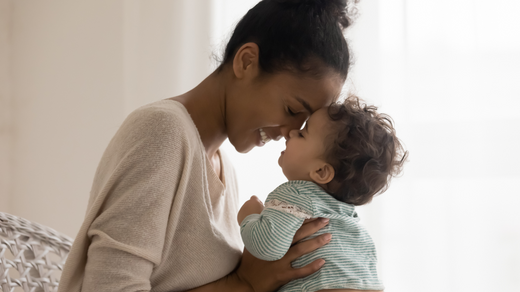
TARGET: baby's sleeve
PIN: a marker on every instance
(268, 236)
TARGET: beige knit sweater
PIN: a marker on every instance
(158, 218)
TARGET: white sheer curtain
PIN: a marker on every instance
(448, 73)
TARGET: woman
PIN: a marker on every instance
(163, 206)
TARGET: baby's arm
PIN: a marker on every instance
(269, 235)
(252, 206)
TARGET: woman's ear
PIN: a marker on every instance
(246, 60)
(323, 174)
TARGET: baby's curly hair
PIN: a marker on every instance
(365, 152)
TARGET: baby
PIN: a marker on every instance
(346, 154)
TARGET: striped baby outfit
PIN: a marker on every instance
(350, 256)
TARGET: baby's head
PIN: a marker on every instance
(349, 149)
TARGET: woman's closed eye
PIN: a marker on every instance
(291, 112)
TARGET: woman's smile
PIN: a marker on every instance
(264, 138)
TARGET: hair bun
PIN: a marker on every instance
(340, 9)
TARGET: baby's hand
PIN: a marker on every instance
(252, 206)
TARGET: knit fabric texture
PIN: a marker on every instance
(159, 218)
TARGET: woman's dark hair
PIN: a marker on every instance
(305, 36)
(365, 154)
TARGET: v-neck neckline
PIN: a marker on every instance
(211, 171)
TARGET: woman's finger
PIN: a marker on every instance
(307, 270)
(310, 220)
(307, 246)
(309, 228)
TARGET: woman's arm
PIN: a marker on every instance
(123, 235)
(256, 275)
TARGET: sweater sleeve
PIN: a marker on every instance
(131, 201)
(268, 236)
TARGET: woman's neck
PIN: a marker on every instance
(206, 103)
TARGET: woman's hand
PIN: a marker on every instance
(263, 276)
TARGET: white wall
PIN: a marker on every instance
(67, 87)
(5, 105)
(76, 70)
(166, 48)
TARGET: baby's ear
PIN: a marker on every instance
(322, 174)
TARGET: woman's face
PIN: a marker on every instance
(270, 106)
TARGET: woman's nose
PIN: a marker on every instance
(295, 125)
(289, 133)
(292, 133)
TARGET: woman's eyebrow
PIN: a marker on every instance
(305, 104)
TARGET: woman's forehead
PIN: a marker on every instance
(311, 93)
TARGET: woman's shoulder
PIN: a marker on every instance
(161, 112)
(161, 119)
(163, 127)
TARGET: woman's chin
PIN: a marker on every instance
(245, 149)
(242, 145)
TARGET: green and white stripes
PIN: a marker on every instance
(350, 256)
